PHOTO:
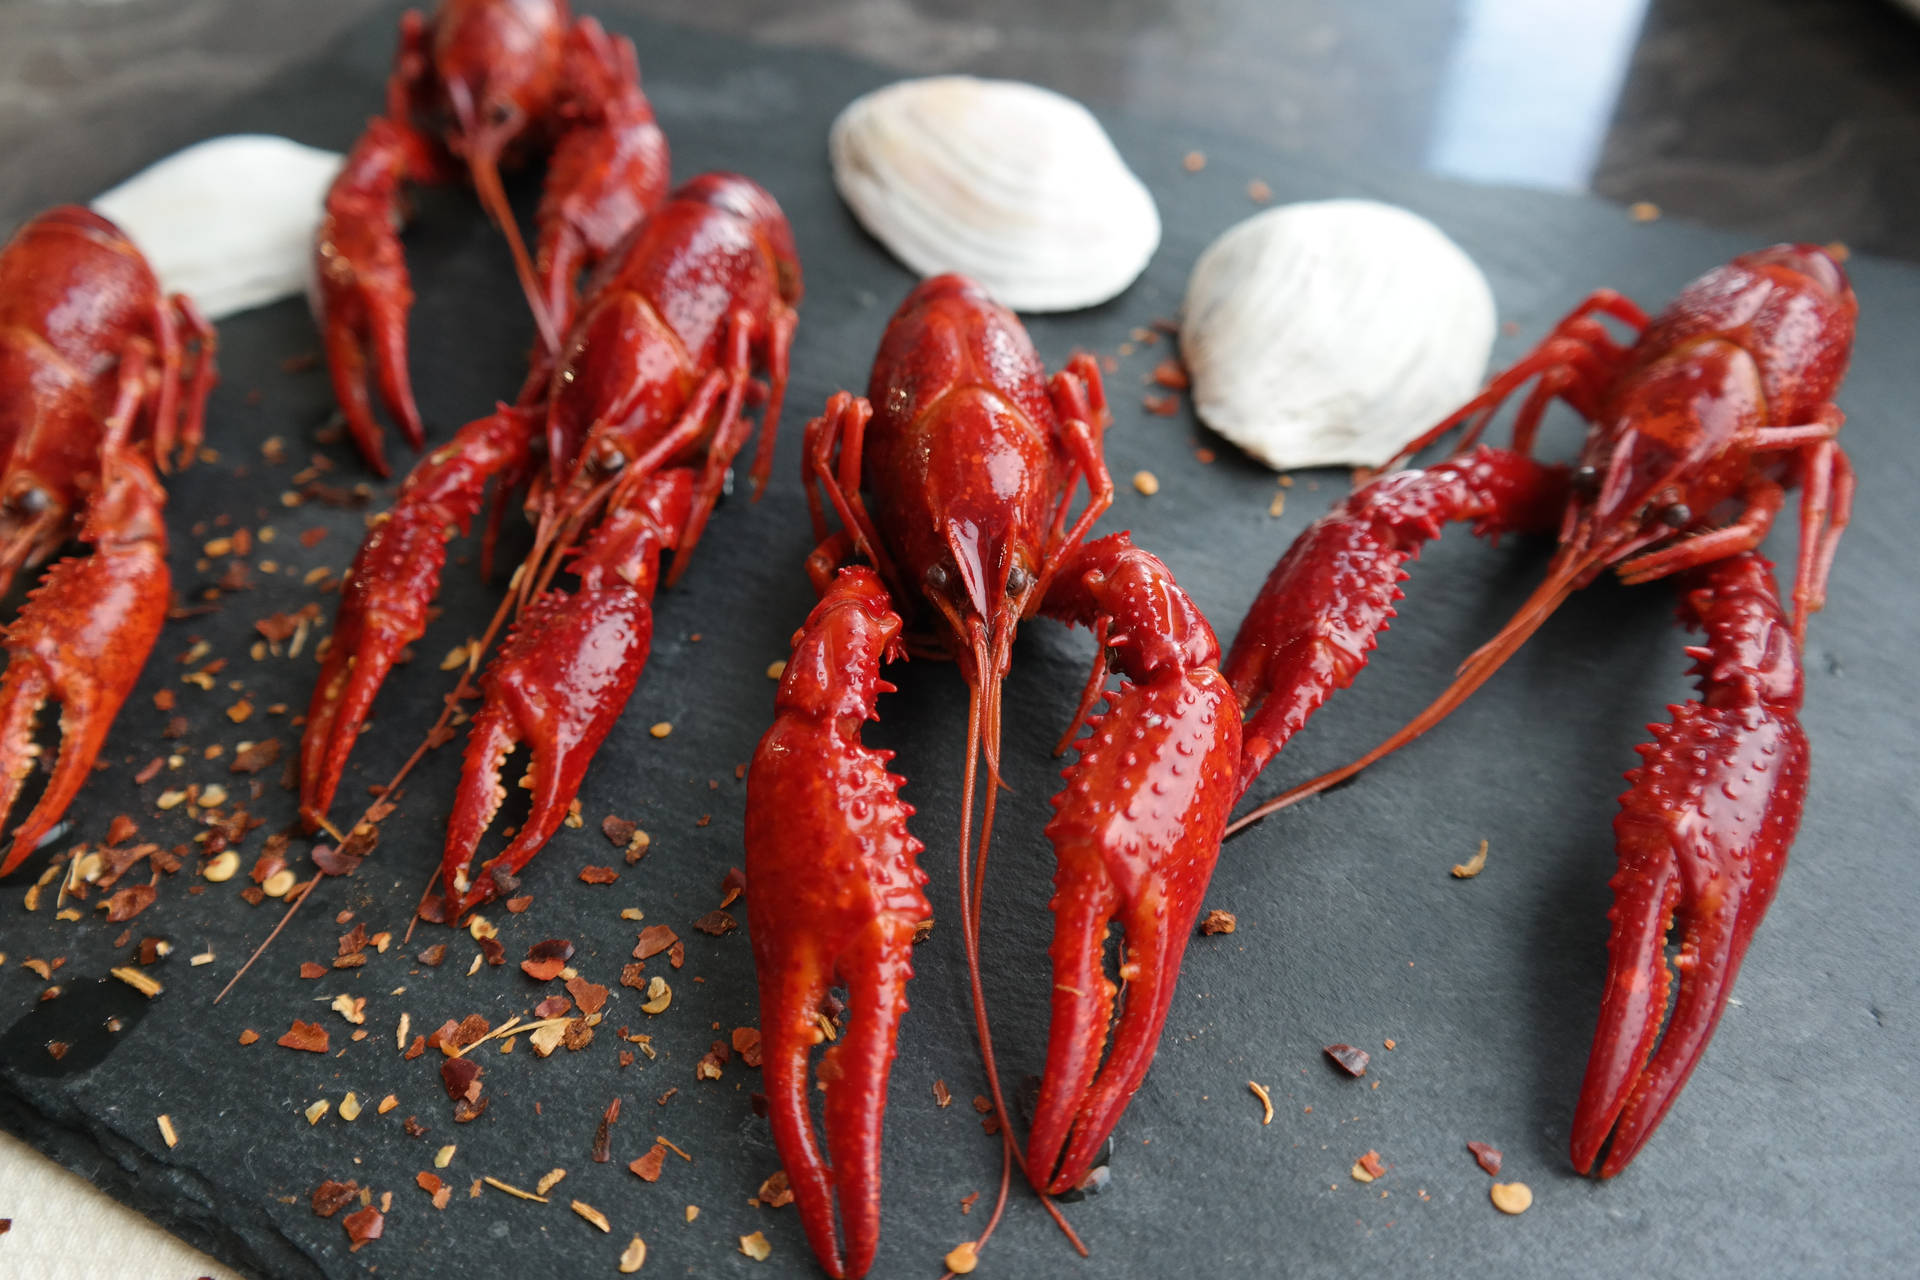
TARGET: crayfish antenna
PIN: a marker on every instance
(1702, 837)
(483, 162)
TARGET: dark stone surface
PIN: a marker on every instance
(1787, 1152)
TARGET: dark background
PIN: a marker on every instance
(1784, 118)
(1788, 1151)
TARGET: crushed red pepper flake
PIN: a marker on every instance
(249, 1036)
(130, 902)
(1172, 375)
(716, 923)
(331, 1197)
(552, 1007)
(433, 955)
(732, 885)
(776, 1192)
(590, 996)
(1487, 1155)
(598, 875)
(618, 830)
(520, 904)
(603, 1136)
(1349, 1059)
(1162, 406)
(414, 1050)
(968, 1201)
(310, 970)
(255, 756)
(150, 771)
(746, 1043)
(635, 976)
(121, 829)
(309, 1037)
(363, 1227)
(647, 1167)
(1219, 922)
(654, 939)
(1371, 1163)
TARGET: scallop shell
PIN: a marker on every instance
(1011, 184)
(1333, 332)
(230, 221)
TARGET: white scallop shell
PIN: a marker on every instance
(230, 221)
(1011, 184)
(1333, 332)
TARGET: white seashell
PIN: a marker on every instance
(230, 221)
(1333, 332)
(1011, 184)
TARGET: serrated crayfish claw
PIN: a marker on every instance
(1702, 836)
(836, 898)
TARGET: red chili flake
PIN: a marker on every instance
(434, 954)
(543, 970)
(461, 1076)
(590, 996)
(1349, 1059)
(414, 1050)
(776, 1192)
(1220, 922)
(967, 1202)
(176, 728)
(577, 1036)
(746, 1043)
(354, 939)
(708, 1068)
(364, 1227)
(654, 939)
(517, 905)
(598, 875)
(257, 756)
(942, 1096)
(716, 923)
(150, 771)
(677, 954)
(413, 1126)
(1370, 1162)
(732, 886)
(982, 1103)
(1171, 375)
(163, 700)
(57, 1049)
(1488, 1156)
(667, 1097)
(253, 895)
(647, 1167)
(130, 902)
(603, 1136)
(335, 862)
(618, 830)
(331, 1197)
(634, 975)
(467, 1031)
(626, 1058)
(552, 1007)
(121, 829)
(309, 970)
(308, 1037)
(494, 950)
(1160, 406)
(269, 864)
(249, 1035)
(313, 536)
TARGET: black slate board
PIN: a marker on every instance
(1787, 1152)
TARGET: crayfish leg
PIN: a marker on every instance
(1702, 837)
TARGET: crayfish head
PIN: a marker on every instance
(754, 204)
(498, 64)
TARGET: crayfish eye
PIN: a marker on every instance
(937, 577)
(1586, 481)
(31, 501)
(1018, 581)
(1676, 515)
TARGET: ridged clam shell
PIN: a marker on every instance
(1333, 332)
(230, 221)
(1011, 184)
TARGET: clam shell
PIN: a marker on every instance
(1333, 332)
(1011, 184)
(230, 221)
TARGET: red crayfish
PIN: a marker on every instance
(480, 80)
(639, 420)
(1697, 428)
(953, 483)
(102, 379)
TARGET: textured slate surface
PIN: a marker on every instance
(1787, 1151)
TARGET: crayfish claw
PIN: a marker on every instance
(1702, 837)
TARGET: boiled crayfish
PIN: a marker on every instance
(1723, 401)
(103, 379)
(481, 80)
(952, 485)
(626, 447)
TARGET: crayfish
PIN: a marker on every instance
(952, 484)
(625, 447)
(102, 380)
(482, 80)
(1698, 426)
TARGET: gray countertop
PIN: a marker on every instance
(1783, 118)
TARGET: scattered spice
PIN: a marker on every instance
(1160, 406)
(776, 669)
(309, 1037)
(1487, 1155)
(942, 1096)
(590, 996)
(661, 729)
(1349, 1059)
(633, 1257)
(512, 1190)
(331, 1197)
(350, 1107)
(776, 1192)
(598, 875)
(654, 939)
(1472, 866)
(1643, 211)
(249, 1036)
(167, 1133)
(1219, 922)
(716, 923)
(139, 982)
(647, 1167)
(1259, 192)
(592, 1215)
(1368, 1167)
(962, 1258)
(1146, 482)
(603, 1136)
(756, 1247)
(1194, 161)
(1172, 375)
(1266, 1100)
(363, 1227)
(1511, 1197)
